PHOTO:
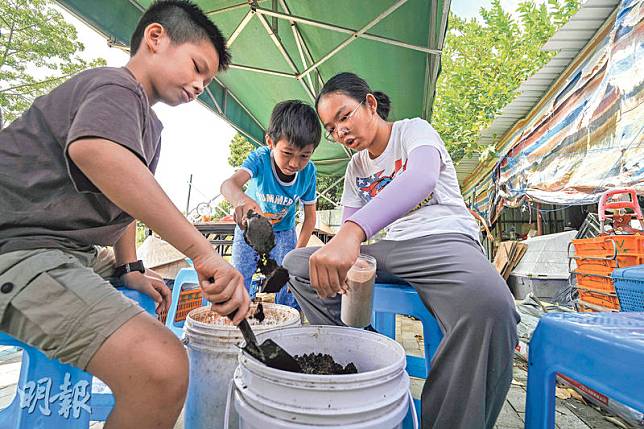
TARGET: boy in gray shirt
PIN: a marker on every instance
(76, 169)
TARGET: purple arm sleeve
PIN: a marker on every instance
(347, 212)
(402, 194)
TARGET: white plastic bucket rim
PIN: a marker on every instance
(208, 336)
(314, 379)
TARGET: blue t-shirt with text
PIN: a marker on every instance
(277, 199)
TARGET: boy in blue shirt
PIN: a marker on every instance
(280, 176)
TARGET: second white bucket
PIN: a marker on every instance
(377, 397)
(212, 351)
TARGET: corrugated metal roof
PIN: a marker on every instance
(465, 166)
(569, 40)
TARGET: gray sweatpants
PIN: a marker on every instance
(472, 368)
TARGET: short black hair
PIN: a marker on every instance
(185, 22)
(296, 122)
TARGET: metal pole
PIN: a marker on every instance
(214, 100)
(227, 9)
(353, 37)
(280, 47)
(189, 189)
(244, 22)
(346, 30)
(261, 70)
(299, 42)
(239, 103)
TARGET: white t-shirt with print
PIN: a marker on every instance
(443, 211)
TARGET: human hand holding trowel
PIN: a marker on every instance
(269, 352)
(259, 235)
(247, 205)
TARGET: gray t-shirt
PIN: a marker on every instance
(45, 200)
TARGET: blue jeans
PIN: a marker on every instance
(245, 261)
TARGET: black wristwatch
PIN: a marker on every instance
(128, 268)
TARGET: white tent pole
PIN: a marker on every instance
(261, 70)
(245, 20)
(324, 25)
(298, 41)
(353, 37)
(287, 57)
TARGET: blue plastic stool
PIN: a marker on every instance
(390, 299)
(52, 395)
(604, 351)
(185, 276)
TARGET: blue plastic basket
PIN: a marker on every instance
(629, 285)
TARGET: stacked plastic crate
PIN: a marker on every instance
(618, 247)
(596, 259)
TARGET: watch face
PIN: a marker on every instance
(137, 266)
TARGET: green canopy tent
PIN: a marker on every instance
(286, 49)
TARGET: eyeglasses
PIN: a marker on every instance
(330, 133)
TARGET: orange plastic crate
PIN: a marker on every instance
(188, 300)
(629, 244)
(602, 299)
(608, 245)
(595, 277)
(583, 309)
(621, 261)
(590, 308)
(595, 283)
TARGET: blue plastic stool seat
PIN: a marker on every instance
(184, 276)
(390, 299)
(52, 395)
(604, 351)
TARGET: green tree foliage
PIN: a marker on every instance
(483, 64)
(38, 50)
(141, 231)
(334, 194)
(240, 147)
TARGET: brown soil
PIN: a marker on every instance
(323, 364)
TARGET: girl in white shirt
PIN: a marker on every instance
(402, 179)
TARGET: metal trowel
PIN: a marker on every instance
(269, 352)
(259, 235)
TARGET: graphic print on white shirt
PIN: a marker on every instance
(443, 211)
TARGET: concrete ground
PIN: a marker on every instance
(570, 413)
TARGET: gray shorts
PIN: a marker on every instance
(59, 303)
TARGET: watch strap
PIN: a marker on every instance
(128, 268)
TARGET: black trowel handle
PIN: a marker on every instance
(244, 326)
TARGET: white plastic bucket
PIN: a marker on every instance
(377, 397)
(212, 351)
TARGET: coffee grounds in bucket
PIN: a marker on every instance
(267, 316)
(323, 364)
